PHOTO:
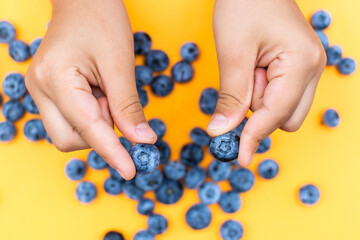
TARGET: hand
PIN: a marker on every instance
(270, 60)
(82, 80)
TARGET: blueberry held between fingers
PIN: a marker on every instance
(219, 171)
(268, 169)
(113, 235)
(143, 96)
(174, 170)
(191, 154)
(146, 158)
(7, 32)
(95, 161)
(125, 143)
(143, 75)
(346, 66)
(142, 43)
(198, 216)
(30, 105)
(323, 38)
(157, 60)
(208, 100)
(158, 126)
(14, 85)
(7, 131)
(320, 20)
(162, 85)
(132, 191)
(86, 192)
(145, 206)
(19, 51)
(182, 72)
(195, 177)
(189, 51)
(34, 130)
(200, 136)
(143, 235)
(165, 151)
(157, 224)
(169, 192)
(264, 145)
(309, 194)
(34, 45)
(331, 118)
(13, 110)
(333, 54)
(230, 202)
(149, 182)
(225, 147)
(113, 186)
(231, 230)
(75, 169)
(241, 180)
(209, 193)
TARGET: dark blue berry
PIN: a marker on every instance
(143, 235)
(182, 72)
(191, 154)
(169, 192)
(86, 192)
(143, 96)
(113, 186)
(125, 143)
(34, 46)
(189, 51)
(19, 51)
(7, 32)
(200, 137)
(219, 171)
(195, 177)
(95, 161)
(132, 191)
(158, 126)
(157, 224)
(208, 100)
(225, 147)
(320, 20)
(47, 138)
(14, 85)
(149, 182)
(75, 169)
(268, 169)
(264, 145)
(331, 118)
(113, 235)
(231, 230)
(346, 66)
(165, 151)
(142, 43)
(198, 216)
(157, 60)
(146, 158)
(209, 193)
(238, 130)
(230, 202)
(162, 85)
(241, 180)
(174, 170)
(34, 130)
(309, 194)
(323, 38)
(146, 206)
(143, 75)
(333, 54)
(13, 110)
(30, 105)
(7, 131)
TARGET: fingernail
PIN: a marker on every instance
(143, 130)
(218, 121)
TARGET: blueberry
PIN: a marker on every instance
(182, 72)
(268, 169)
(208, 100)
(157, 60)
(113, 235)
(157, 224)
(115, 174)
(95, 161)
(145, 206)
(143, 235)
(320, 20)
(19, 51)
(346, 66)
(7, 131)
(34, 45)
(14, 85)
(191, 154)
(225, 147)
(231, 230)
(165, 151)
(200, 137)
(132, 191)
(30, 105)
(331, 118)
(169, 192)
(142, 43)
(323, 38)
(189, 51)
(238, 130)
(162, 85)
(86, 192)
(198, 216)
(149, 182)
(241, 180)
(143, 75)
(174, 170)
(230, 202)
(146, 157)
(34, 130)
(7, 32)
(47, 138)
(333, 55)
(195, 177)
(75, 169)
(143, 96)
(1, 99)
(219, 171)
(113, 186)
(125, 143)
(309, 194)
(264, 145)
(209, 193)
(158, 126)
(13, 110)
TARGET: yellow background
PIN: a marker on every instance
(37, 200)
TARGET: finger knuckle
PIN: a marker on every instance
(131, 106)
(292, 126)
(233, 100)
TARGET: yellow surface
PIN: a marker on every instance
(37, 200)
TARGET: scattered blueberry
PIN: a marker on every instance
(34, 46)
(331, 118)
(157, 60)
(208, 100)
(309, 194)
(189, 51)
(125, 143)
(113, 186)
(225, 147)
(174, 170)
(195, 177)
(13, 110)
(323, 38)
(143, 96)
(198, 216)
(86, 192)
(231, 230)
(7, 32)
(200, 137)
(14, 85)
(7, 131)
(143, 75)
(333, 54)
(264, 145)
(162, 85)
(346, 66)
(238, 130)
(149, 182)
(142, 43)
(158, 126)
(209, 193)
(113, 235)
(157, 224)
(34, 130)
(268, 169)
(95, 161)
(143, 235)
(241, 180)
(146, 157)
(165, 151)
(219, 171)
(115, 174)
(30, 105)
(47, 138)
(320, 20)
(1, 99)
(19, 51)
(191, 154)
(132, 191)
(182, 72)
(230, 202)
(145, 206)
(169, 192)
(75, 169)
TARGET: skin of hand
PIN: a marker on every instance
(270, 61)
(82, 80)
